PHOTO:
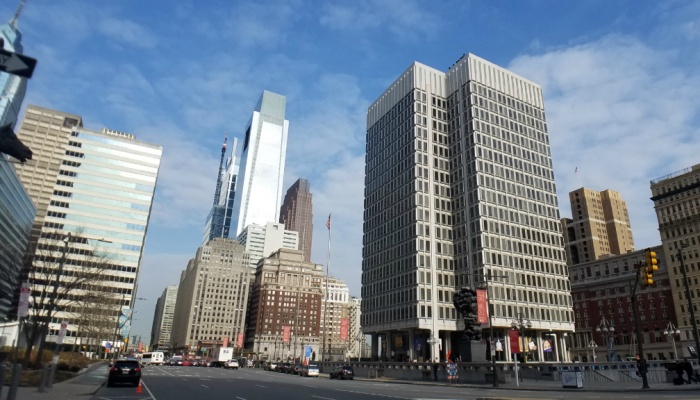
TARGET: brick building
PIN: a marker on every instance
(297, 214)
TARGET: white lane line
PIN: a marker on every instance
(241, 398)
(206, 386)
(372, 394)
(147, 389)
(261, 386)
(204, 379)
(325, 398)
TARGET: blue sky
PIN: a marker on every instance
(620, 81)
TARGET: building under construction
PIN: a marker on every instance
(219, 218)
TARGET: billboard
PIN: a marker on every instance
(239, 341)
(514, 341)
(344, 324)
(285, 337)
(482, 307)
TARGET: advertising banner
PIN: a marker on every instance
(140, 346)
(547, 344)
(344, 324)
(62, 332)
(482, 307)
(514, 341)
(125, 322)
(23, 307)
(285, 336)
(418, 344)
(225, 342)
(307, 352)
(239, 340)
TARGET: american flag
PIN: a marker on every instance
(328, 224)
(576, 170)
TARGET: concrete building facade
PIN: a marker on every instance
(297, 214)
(458, 186)
(263, 240)
(211, 298)
(676, 200)
(98, 186)
(601, 293)
(357, 346)
(600, 225)
(287, 293)
(163, 319)
(337, 301)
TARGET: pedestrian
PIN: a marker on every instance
(688, 368)
(435, 369)
(679, 370)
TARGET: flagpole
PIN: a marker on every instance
(578, 177)
(325, 294)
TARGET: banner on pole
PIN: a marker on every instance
(344, 324)
(239, 341)
(125, 322)
(23, 307)
(307, 352)
(285, 336)
(225, 342)
(62, 332)
(514, 341)
(482, 307)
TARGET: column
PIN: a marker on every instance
(539, 345)
(374, 346)
(411, 339)
(435, 347)
(389, 345)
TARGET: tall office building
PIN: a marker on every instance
(163, 319)
(358, 345)
(297, 214)
(96, 185)
(261, 241)
(17, 213)
(219, 219)
(337, 300)
(676, 198)
(459, 186)
(599, 225)
(259, 190)
(211, 298)
(12, 87)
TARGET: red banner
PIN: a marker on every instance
(225, 344)
(140, 346)
(344, 324)
(239, 342)
(482, 306)
(285, 337)
(514, 341)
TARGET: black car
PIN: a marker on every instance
(284, 367)
(344, 372)
(297, 369)
(128, 371)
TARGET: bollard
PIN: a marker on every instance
(44, 377)
(52, 373)
(14, 384)
(3, 371)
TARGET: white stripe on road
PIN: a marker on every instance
(325, 398)
(261, 386)
(147, 389)
(206, 386)
(372, 394)
(240, 398)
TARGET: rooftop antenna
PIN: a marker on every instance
(13, 21)
(221, 168)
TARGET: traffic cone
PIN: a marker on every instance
(139, 388)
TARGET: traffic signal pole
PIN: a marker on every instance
(641, 269)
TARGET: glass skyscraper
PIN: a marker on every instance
(12, 87)
(218, 222)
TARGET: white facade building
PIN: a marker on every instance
(336, 299)
(163, 319)
(358, 344)
(262, 240)
(259, 189)
(458, 185)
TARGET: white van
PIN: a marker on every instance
(154, 358)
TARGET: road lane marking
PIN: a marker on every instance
(147, 389)
(325, 398)
(206, 386)
(261, 386)
(372, 394)
(204, 379)
(240, 398)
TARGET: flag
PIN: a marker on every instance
(328, 224)
(448, 356)
(576, 170)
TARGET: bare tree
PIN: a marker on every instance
(12, 261)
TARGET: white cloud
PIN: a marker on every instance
(261, 23)
(127, 32)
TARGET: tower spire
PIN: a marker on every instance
(13, 21)
(221, 167)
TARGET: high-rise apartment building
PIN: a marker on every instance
(163, 319)
(676, 200)
(286, 296)
(211, 297)
(259, 190)
(17, 213)
(261, 241)
(599, 225)
(219, 219)
(337, 300)
(297, 214)
(459, 186)
(12, 87)
(96, 185)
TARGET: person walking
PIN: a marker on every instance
(688, 368)
(679, 368)
(436, 364)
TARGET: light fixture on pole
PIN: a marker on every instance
(671, 331)
(607, 330)
(592, 345)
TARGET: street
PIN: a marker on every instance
(174, 383)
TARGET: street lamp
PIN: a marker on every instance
(520, 323)
(671, 331)
(592, 345)
(493, 338)
(431, 341)
(606, 329)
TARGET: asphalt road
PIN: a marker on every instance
(194, 383)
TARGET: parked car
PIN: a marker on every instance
(283, 368)
(310, 370)
(342, 372)
(296, 370)
(128, 371)
(231, 364)
(186, 363)
(271, 366)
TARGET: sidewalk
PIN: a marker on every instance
(85, 384)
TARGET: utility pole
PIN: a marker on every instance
(688, 298)
(640, 344)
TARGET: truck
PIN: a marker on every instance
(220, 355)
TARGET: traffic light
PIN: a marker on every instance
(650, 268)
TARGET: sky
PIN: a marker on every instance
(620, 83)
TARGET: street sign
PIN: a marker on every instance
(451, 371)
(17, 64)
(307, 352)
(62, 332)
(23, 307)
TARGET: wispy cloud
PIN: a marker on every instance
(127, 32)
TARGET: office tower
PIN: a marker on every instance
(211, 298)
(12, 87)
(17, 213)
(98, 186)
(262, 164)
(601, 294)
(286, 295)
(219, 219)
(358, 344)
(676, 200)
(599, 225)
(263, 240)
(297, 214)
(459, 187)
(338, 297)
(163, 319)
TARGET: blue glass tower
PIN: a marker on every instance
(12, 87)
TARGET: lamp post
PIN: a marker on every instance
(520, 323)
(688, 298)
(493, 338)
(431, 341)
(606, 330)
(592, 345)
(671, 331)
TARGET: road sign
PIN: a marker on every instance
(62, 332)
(24, 292)
(17, 64)
(308, 351)
(451, 371)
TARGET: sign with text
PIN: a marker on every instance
(285, 335)
(307, 352)
(514, 341)
(482, 307)
(239, 340)
(62, 332)
(23, 307)
(344, 324)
